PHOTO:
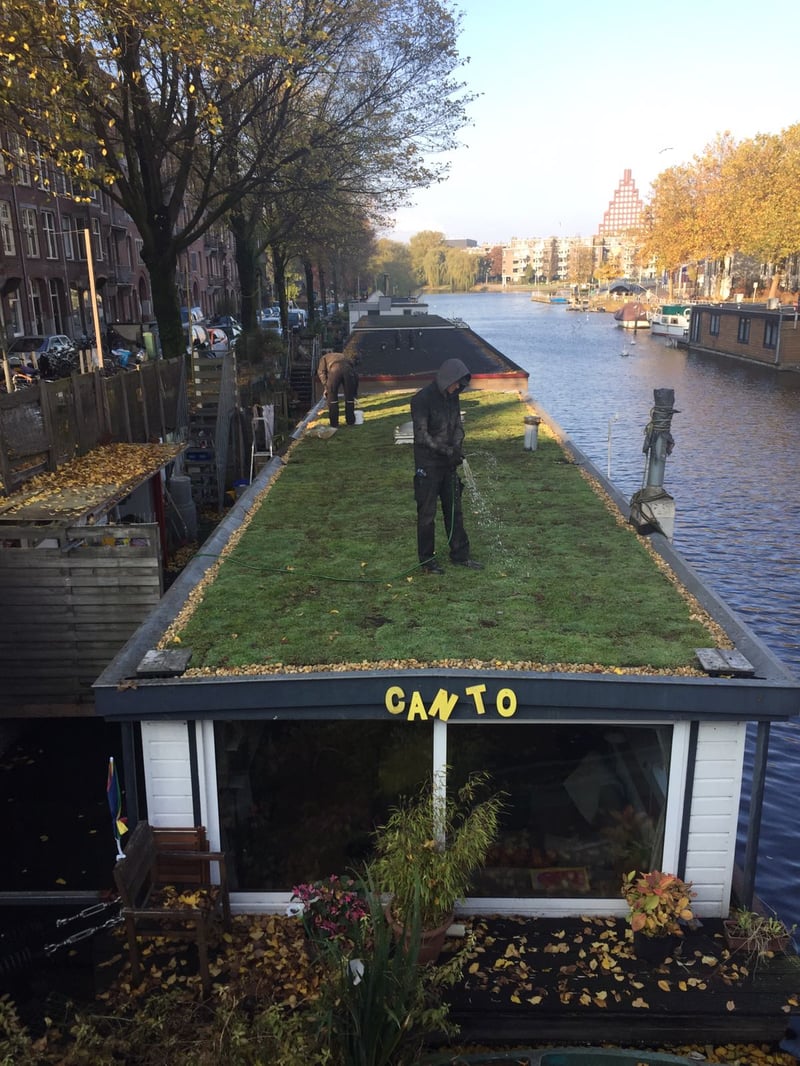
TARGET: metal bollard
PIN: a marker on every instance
(532, 423)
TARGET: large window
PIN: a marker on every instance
(49, 228)
(31, 231)
(713, 328)
(585, 804)
(771, 331)
(299, 800)
(743, 332)
(68, 229)
(7, 229)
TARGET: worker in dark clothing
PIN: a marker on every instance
(438, 442)
(336, 371)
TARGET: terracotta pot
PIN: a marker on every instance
(431, 940)
(654, 948)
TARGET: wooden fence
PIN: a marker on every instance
(68, 609)
(52, 422)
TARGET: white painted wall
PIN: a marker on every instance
(714, 815)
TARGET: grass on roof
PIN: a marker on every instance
(325, 573)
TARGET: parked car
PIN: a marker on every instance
(229, 324)
(191, 314)
(297, 318)
(54, 354)
(39, 345)
(198, 340)
(218, 340)
(272, 325)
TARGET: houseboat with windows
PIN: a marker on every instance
(768, 334)
(303, 673)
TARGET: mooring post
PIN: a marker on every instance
(652, 507)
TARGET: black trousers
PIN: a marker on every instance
(348, 382)
(432, 484)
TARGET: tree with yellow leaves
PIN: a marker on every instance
(180, 109)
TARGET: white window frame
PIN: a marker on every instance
(7, 229)
(22, 166)
(97, 240)
(68, 233)
(50, 234)
(276, 902)
(30, 229)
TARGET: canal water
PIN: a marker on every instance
(733, 475)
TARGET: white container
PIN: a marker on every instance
(359, 418)
(532, 423)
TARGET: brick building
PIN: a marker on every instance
(44, 258)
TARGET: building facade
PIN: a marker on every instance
(52, 232)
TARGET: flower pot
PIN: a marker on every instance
(431, 940)
(654, 948)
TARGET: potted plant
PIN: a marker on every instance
(658, 903)
(332, 909)
(758, 935)
(427, 852)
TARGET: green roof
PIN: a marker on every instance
(322, 574)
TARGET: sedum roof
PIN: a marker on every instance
(321, 574)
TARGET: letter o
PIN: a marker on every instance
(506, 702)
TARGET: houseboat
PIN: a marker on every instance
(303, 674)
(768, 334)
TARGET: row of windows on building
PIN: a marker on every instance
(771, 334)
(51, 226)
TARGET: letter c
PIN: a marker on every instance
(395, 700)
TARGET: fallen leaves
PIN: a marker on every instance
(86, 483)
(590, 965)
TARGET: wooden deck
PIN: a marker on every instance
(535, 981)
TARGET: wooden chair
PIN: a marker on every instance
(150, 910)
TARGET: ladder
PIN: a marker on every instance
(263, 423)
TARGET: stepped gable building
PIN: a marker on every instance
(624, 210)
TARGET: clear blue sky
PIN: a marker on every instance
(574, 92)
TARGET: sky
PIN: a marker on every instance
(574, 93)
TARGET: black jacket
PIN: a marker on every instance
(438, 432)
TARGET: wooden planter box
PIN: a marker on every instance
(752, 943)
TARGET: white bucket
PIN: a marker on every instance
(359, 418)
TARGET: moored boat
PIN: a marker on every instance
(671, 320)
(632, 315)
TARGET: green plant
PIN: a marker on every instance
(431, 845)
(15, 1042)
(658, 902)
(756, 934)
(378, 1003)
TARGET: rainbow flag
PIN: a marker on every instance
(115, 804)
